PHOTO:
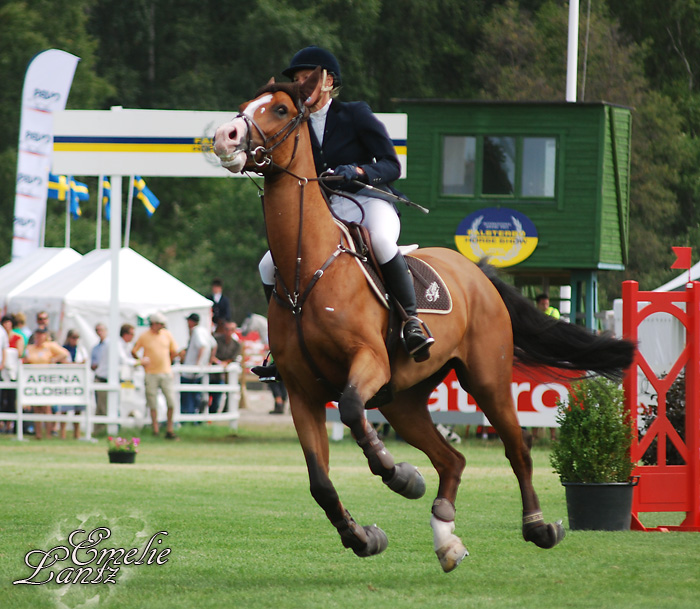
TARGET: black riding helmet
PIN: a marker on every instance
(311, 57)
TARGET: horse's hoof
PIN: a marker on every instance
(377, 542)
(451, 553)
(407, 481)
(546, 535)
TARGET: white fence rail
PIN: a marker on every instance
(73, 385)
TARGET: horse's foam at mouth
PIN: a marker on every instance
(233, 162)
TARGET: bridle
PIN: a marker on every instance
(262, 155)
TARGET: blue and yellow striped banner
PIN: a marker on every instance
(131, 144)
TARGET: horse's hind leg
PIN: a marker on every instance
(410, 418)
(497, 403)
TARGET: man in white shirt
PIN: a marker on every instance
(198, 353)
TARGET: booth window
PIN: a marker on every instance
(519, 167)
(458, 165)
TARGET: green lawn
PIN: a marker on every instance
(244, 532)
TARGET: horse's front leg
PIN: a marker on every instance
(310, 425)
(402, 478)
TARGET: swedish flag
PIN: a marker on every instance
(58, 187)
(78, 192)
(144, 194)
(106, 197)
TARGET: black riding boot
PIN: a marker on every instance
(400, 284)
(267, 372)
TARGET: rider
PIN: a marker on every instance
(350, 141)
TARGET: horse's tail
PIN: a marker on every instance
(541, 340)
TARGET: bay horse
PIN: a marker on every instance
(327, 335)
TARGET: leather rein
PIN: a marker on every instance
(294, 300)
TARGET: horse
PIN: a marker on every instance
(327, 334)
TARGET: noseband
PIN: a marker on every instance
(262, 155)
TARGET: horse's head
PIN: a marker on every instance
(260, 132)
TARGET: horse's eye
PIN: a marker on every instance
(281, 111)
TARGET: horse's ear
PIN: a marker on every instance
(270, 82)
(310, 89)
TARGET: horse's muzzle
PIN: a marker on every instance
(231, 143)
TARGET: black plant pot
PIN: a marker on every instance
(119, 456)
(599, 506)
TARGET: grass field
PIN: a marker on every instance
(245, 533)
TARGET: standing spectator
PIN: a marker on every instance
(10, 361)
(99, 363)
(197, 353)
(228, 348)
(4, 355)
(159, 349)
(42, 323)
(44, 351)
(221, 307)
(543, 305)
(21, 327)
(77, 354)
(127, 362)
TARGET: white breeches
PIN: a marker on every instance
(381, 220)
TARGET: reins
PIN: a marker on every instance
(294, 300)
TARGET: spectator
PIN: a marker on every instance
(159, 349)
(9, 360)
(21, 327)
(99, 363)
(197, 353)
(228, 349)
(542, 302)
(77, 355)
(221, 307)
(42, 322)
(44, 351)
(127, 362)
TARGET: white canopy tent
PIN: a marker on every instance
(22, 273)
(78, 296)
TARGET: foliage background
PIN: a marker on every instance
(208, 55)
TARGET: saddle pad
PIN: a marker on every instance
(432, 295)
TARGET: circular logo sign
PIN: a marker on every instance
(505, 236)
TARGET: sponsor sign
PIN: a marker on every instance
(505, 236)
(53, 385)
(165, 143)
(534, 392)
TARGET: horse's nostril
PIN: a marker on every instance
(232, 134)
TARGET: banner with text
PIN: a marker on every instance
(46, 87)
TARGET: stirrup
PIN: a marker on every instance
(417, 342)
(267, 373)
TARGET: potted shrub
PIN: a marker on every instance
(591, 454)
(122, 450)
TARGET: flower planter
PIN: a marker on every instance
(120, 456)
(599, 506)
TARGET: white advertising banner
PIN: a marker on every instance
(46, 87)
(52, 385)
(163, 143)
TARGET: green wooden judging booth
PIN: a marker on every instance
(541, 188)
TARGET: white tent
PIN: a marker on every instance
(79, 296)
(22, 273)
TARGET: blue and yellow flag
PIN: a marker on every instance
(144, 194)
(58, 187)
(78, 192)
(106, 197)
